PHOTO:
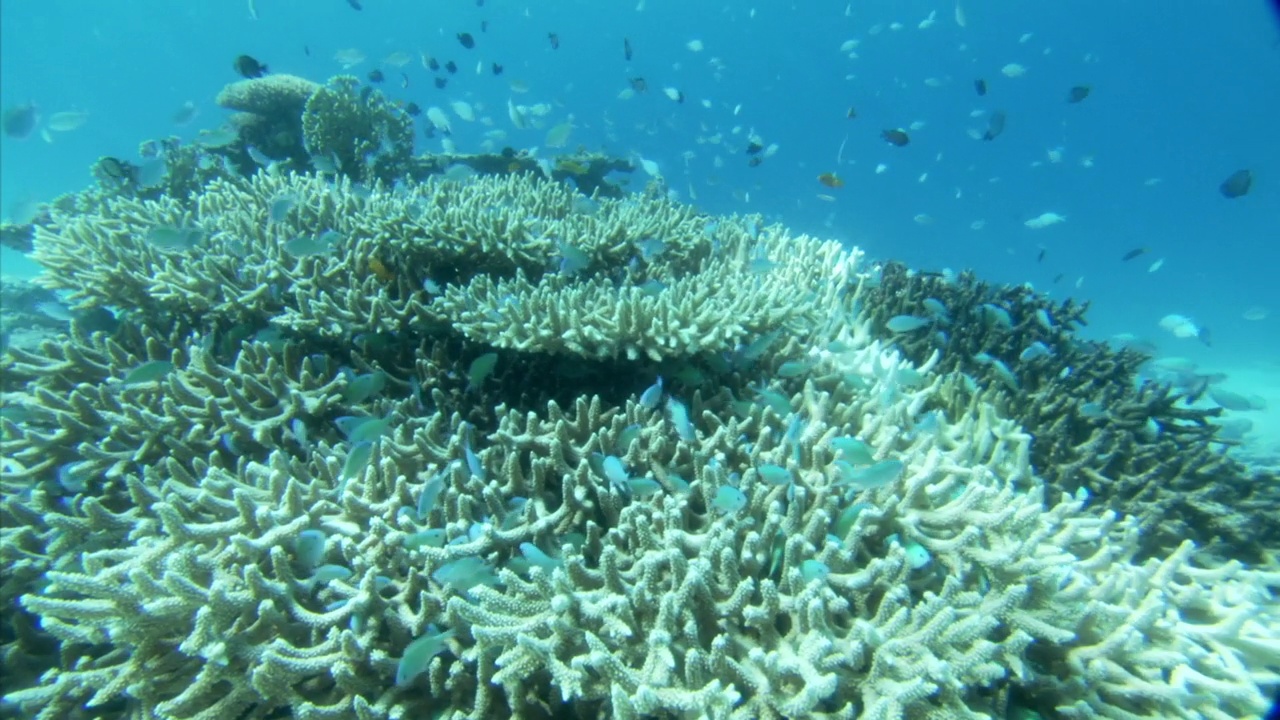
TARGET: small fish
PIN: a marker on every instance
(851, 113)
(362, 387)
(170, 238)
(679, 416)
(1078, 93)
(440, 83)
(452, 67)
(304, 246)
(248, 67)
(281, 206)
(674, 93)
(639, 84)
(1237, 185)
(1044, 220)
(309, 547)
(980, 86)
(463, 574)
(376, 76)
(906, 323)
(728, 500)
(148, 372)
(357, 459)
(773, 474)
(480, 369)
(467, 41)
(497, 69)
(1034, 351)
(652, 395)
(554, 39)
(417, 657)
(571, 258)
(831, 180)
(896, 136)
(67, 121)
(1040, 255)
(1136, 252)
(626, 48)
(355, 4)
(184, 114)
(995, 125)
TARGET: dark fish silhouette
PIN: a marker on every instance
(755, 161)
(1040, 257)
(1077, 93)
(980, 86)
(355, 4)
(626, 48)
(995, 126)
(451, 66)
(754, 146)
(376, 76)
(21, 120)
(497, 69)
(638, 84)
(413, 109)
(467, 41)
(897, 136)
(248, 67)
(441, 82)
(555, 40)
(1133, 254)
(1237, 185)
(433, 64)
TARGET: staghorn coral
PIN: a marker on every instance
(666, 605)
(1144, 457)
(241, 272)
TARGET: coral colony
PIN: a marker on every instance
(376, 435)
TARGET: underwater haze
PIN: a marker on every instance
(892, 211)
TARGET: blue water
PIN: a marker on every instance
(1179, 100)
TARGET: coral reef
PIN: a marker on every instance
(356, 452)
(1131, 445)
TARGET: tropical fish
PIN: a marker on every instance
(906, 323)
(417, 657)
(1077, 93)
(897, 136)
(466, 40)
(980, 86)
(1133, 254)
(1044, 220)
(831, 180)
(248, 67)
(995, 125)
(728, 500)
(1237, 185)
(309, 547)
(67, 121)
(465, 573)
(20, 121)
(480, 369)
